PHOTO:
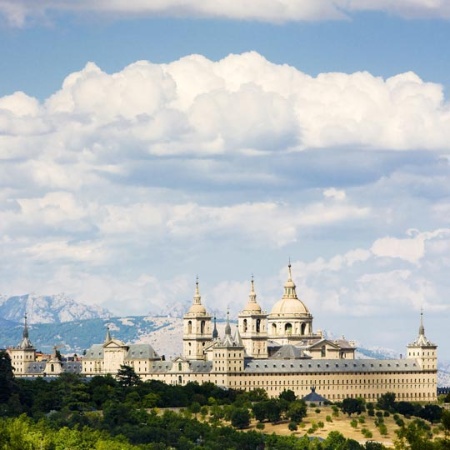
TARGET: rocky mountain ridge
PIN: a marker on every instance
(47, 309)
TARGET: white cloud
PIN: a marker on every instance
(18, 12)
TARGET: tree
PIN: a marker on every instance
(288, 395)
(387, 401)
(353, 406)
(6, 377)
(126, 376)
(297, 411)
(240, 418)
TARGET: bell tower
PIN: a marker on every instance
(197, 331)
(252, 326)
(424, 351)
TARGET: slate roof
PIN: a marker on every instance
(314, 397)
(331, 366)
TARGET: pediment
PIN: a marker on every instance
(114, 344)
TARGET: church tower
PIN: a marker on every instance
(197, 331)
(24, 353)
(290, 322)
(252, 326)
(424, 351)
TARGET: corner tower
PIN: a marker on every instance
(252, 326)
(424, 351)
(290, 321)
(197, 331)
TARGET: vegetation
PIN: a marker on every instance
(126, 413)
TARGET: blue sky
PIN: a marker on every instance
(142, 146)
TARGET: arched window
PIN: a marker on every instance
(52, 368)
(189, 328)
(179, 367)
(258, 325)
(202, 327)
(288, 328)
(244, 326)
(303, 329)
(274, 329)
(323, 351)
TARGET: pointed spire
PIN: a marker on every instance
(197, 296)
(215, 333)
(25, 343)
(237, 337)
(108, 335)
(25, 333)
(227, 326)
(252, 296)
(289, 286)
(421, 327)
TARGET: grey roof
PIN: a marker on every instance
(140, 351)
(332, 365)
(38, 368)
(314, 397)
(135, 351)
(194, 366)
(94, 352)
(289, 351)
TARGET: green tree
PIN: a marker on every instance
(297, 411)
(387, 401)
(6, 377)
(240, 418)
(353, 406)
(288, 395)
(126, 376)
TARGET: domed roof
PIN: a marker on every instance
(197, 307)
(252, 305)
(289, 305)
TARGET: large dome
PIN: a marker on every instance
(289, 305)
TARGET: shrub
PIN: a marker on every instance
(320, 424)
(386, 414)
(260, 426)
(292, 426)
(354, 423)
(361, 419)
(317, 411)
(328, 419)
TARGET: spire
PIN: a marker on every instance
(25, 334)
(252, 296)
(227, 326)
(421, 340)
(197, 308)
(197, 297)
(108, 335)
(289, 286)
(237, 338)
(421, 328)
(215, 333)
(25, 343)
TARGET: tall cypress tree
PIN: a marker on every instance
(6, 377)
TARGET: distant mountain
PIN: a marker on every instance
(47, 309)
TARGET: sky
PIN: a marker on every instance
(143, 144)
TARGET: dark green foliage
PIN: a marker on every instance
(6, 377)
(240, 418)
(353, 406)
(288, 395)
(386, 401)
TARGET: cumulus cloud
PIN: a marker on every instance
(18, 12)
(189, 106)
